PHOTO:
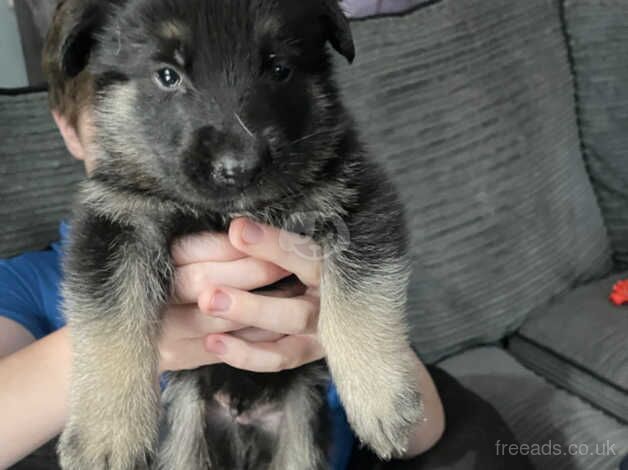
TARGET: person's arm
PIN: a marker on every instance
(35, 375)
(428, 432)
(13, 337)
(35, 382)
(300, 324)
(280, 333)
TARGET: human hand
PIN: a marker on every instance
(214, 317)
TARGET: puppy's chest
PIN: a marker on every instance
(245, 412)
(242, 439)
(225, 411)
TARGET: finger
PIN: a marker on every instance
(293, 316)
(188, 322)
(245, 274)
(288, 353)
(290, 251)
(203, 247)
(185, 354)
(255, 335)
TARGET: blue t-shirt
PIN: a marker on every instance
(30, 296)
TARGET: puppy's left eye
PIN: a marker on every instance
(279, 71)
(168, 78)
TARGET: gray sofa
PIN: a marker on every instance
(505, 125)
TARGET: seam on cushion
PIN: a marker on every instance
(584, 151)
(574, 76)
(603, 405)
(409, 11)
(572, 363)
(23, 90)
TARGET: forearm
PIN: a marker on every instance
(427, 432)
(33, 396)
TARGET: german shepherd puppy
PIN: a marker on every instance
(203, 111)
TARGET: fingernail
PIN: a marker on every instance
(252, 233)
(217, 347)
(221, 302)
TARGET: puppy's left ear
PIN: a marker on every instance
(72, 36)
(338, 29)
(80, 37)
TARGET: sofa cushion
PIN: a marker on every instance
(470, 105)
(37, 175)
(598, 30)
(365, 8)
(562, 431)
(579, 343)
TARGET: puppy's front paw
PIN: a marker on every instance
(82, 449)
(382, 409)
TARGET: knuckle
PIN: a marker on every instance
(200, 277)
(168, 357)
(185, 278)
(268, 273)
(280, 363)
(316, 275)
(257, 270)
(178, 249)
(305, 318)
(242, 359)
(301, 323)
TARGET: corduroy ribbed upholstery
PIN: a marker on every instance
(579, 343)
(598, 31)
(37, 175)
(469, 103)
(540, 414)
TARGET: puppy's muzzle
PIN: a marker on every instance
(227, 159)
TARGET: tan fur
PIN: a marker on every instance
(125, 208)
(185, 445)
(114, 396)
(363, 331)
(298, 449)
(174, 30)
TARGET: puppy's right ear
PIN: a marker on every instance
(338, 29)
(75, 27)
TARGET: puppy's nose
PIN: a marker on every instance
(229, 170)
(232, 159)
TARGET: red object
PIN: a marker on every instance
(619, 296)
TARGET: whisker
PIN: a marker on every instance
(248, 131)
(307, 137)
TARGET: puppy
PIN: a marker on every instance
(203, 111)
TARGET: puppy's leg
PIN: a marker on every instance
(117, 280)
(185, 444)
(363, 330)
(299, 446)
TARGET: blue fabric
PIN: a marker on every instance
(29, 289)
(30, 296)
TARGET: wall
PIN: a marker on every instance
(12, 68)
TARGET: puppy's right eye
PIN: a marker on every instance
(168, 78)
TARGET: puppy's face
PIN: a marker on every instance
(227, 103)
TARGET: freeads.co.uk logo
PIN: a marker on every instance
(314, 236)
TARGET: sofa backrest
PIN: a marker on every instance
(598, 33)
(37, 175)
(470, 105)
